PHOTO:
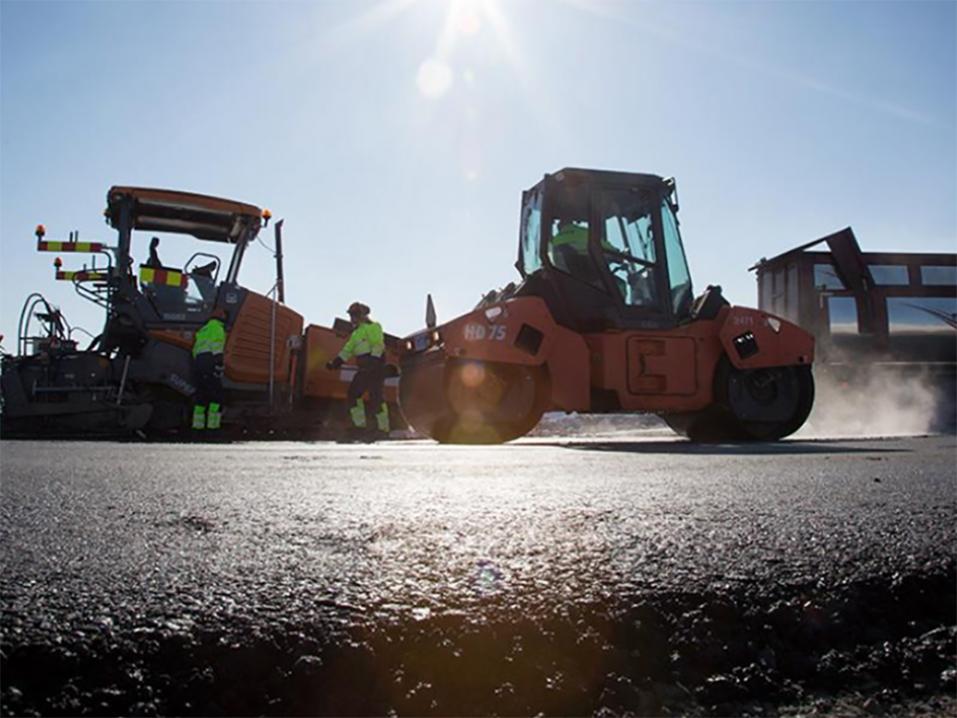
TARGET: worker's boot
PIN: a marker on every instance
(214, 418)
(358, 414)
(199, 417)
(356, 433)
(382, 422)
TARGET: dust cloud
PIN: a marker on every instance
(881, 403)
(876, 404)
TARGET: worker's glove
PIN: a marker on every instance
(335, 363)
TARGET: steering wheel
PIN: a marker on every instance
(625, 262)
(193, 260)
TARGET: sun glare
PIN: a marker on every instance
(463, 19)
(434, 78)
(462, 40)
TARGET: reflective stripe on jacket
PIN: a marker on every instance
(210, 338)
(365, 339)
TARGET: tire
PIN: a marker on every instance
(765, 404)
(490, 403)
(751, 405)
(710, 425)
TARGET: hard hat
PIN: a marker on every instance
(358, 309)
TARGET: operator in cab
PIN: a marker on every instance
(208, 346)
(367, 345)
(568, 249)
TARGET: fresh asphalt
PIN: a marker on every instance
(564, 576)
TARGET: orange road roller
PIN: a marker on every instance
(604, 320)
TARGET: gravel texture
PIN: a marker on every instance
(632, 575)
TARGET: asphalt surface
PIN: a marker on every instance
(567, 576)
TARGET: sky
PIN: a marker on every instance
(395, 136)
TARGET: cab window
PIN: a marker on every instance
(531, 259)
(628, 246)
(568, 234)
(679, 278)
(173, 301)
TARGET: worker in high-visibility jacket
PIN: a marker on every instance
(367, 345)
(569, 252)
(208, 346)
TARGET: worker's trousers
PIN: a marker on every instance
(208, 377)
(369, 379)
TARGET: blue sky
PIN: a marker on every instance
(395, 137)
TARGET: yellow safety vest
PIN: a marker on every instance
(572, 235)
(365, 339)
(210, 338)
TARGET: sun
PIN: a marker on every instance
(464, 19)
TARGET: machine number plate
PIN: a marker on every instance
(479, 332)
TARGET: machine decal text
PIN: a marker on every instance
(479, 332)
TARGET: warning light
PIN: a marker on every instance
(267, 215)
(57, 263)
(41, 230)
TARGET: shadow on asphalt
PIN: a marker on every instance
(782, 448)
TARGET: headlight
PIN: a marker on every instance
(423, 341)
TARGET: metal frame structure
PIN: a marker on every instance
(788, 287)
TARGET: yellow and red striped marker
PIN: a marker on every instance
(82, 275)
(43, 246)
(166, 277)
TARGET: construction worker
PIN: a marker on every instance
(571, 234)
(367, 345)
(154, 260)
(568, 250)
(208, 345)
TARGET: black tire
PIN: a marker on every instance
(751, 405)
(707, 426)
(490, 403)
(791, 386)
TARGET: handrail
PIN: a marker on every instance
(272, 344)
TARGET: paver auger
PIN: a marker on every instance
(136, 374)
(604, 320)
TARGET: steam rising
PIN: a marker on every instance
(872, 404)
(878, 404)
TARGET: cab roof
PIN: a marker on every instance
(581, 174)
(163, 210)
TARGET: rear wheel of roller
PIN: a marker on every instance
(491, 403)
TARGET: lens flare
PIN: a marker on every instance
(473, 375)
(434, 78)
